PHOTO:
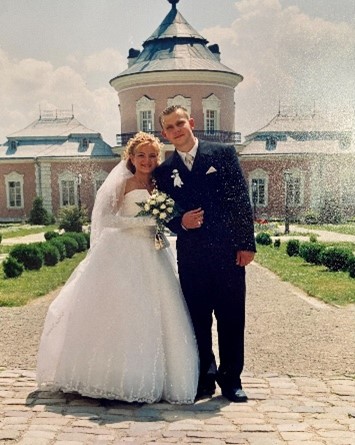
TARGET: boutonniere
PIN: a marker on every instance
(176, 177)
(211, 170)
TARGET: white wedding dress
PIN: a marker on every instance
(120, 328)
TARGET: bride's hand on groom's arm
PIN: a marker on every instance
(244, 257)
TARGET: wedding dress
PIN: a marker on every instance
(120, 328)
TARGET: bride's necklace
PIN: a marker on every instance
(147, 185)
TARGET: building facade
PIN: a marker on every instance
(301, 164)
(56, 158)
(176, 66)
(296, 163)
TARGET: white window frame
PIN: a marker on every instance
(17, 178)
(68, 177)
(296, 175)
(211, 103)
(180, 100)
(145, 105)
(99, 176)
(259, 175)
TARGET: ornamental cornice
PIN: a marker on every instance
(160, 78)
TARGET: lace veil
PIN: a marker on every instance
(108, 201)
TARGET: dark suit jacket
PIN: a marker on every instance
(222, 194)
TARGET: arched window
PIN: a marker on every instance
(180, 100)
(14, 190)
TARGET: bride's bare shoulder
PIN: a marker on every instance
(130, 185)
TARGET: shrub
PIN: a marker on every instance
(51, 255)
(293, 247)
(331, 212)
(351, 267)
(80, 238)
(29, 255)
(59, 244)
(277, 243)
(87, 237)
(71, 246)
(50, 235)
(336, 258)
(263, 238)
(313, 238)
(38, 214)
(311, 218)
(72, 219)
(12, 268)
(311, 252)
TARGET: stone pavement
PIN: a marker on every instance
(288, 410)
(282, 409)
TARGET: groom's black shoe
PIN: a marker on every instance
(236, 395)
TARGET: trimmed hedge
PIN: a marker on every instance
(12, 268)
(51, 255)
(50, 235)
(80, 238)
(30, 255)
(311, 252)
(263, 238)
(277, 243)
(336, 258)
(71, 246)
(351, 267)
(59, 244)
(293, 247)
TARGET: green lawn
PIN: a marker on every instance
(332, 287)
(32, 284)
(16, 230)
(346, 229)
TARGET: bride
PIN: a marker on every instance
(119, 328)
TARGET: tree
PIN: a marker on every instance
(39, 215)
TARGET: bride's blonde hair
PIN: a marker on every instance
(140, 138)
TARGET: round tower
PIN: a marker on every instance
(176, 66)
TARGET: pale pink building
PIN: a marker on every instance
(55, 157)
(176, 66)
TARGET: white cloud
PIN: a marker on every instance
(106, 61)
(285, 55)
(26, 85)
(282, 53)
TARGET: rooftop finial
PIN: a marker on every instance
(173, 3)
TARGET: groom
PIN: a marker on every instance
(215, 241)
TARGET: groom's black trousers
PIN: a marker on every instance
(211, 282)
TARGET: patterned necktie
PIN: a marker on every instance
(189, 160)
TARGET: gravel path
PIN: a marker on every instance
(287, 332)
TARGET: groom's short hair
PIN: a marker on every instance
(172, 109)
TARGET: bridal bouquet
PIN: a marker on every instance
(161, 207)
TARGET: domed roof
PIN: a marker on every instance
(175, 46)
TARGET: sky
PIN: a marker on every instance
(63, 53)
